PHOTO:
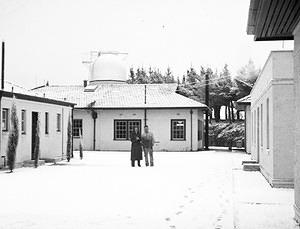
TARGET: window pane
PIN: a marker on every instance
(178, 129)
(123, 128)
(5, 120)
(77, 127)
(23, 121)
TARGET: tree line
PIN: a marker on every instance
(224, 88)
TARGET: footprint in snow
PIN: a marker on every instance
(168, 219)
(181, 206)
(173, 226)
(178, 213)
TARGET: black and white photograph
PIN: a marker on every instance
(150, 114)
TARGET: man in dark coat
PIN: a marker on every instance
(136, 147)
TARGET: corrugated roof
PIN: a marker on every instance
(121, 96)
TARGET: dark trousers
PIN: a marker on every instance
(133, 162)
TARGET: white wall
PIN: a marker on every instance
(52, 145)
(276, 84)
(158, 120)
(297, 123)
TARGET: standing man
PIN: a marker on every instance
(148, 142)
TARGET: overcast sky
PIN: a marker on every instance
(47, 40)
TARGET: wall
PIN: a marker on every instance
(158, 120)
(276, 84)
(297, 123)
(52, 145)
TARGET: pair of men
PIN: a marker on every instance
(139, 143)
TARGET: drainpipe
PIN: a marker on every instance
(191, 112)
(62, 132)
(94, 116)
(72, 117)
(2, 65)
(1, 125)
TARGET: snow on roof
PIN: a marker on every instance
(30, 94)
(245, 100)
(122, 96)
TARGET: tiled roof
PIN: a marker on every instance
(245, 100)
(121, 96)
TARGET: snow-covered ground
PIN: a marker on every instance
(184, 190)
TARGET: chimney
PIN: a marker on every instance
(85, 83)
(2, 65)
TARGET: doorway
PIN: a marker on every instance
(33, 132)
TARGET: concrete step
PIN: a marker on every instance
(249, 162)
(30, 163)
(251, 167)
(51, 160)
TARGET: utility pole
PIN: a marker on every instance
(2, 65)
(207, 111)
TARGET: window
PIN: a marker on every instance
(261, 124)
(178, 129)
(58, 122)
(77, 127)
(23, 121)
(268, 124)
(5, 121)
(123, 128)
(46, 123)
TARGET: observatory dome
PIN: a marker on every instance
(108, 68)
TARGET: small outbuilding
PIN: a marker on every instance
(50, 115)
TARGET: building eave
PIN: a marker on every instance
(273, 20)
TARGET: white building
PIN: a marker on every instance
(272, 112)
(108, 109)
(52, 116)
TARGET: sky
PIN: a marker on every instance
(48, 40)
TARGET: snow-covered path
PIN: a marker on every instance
(184, 190)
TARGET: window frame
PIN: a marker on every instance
(58, 122)
(76, 127)
(184, 130)
(23, 122)
(127, 128)
(6, 119)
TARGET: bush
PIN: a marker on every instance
(37, 145)
(69, 141)
(226, 134)
(13, 139)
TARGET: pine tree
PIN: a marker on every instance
(13, 138)
(69, 143)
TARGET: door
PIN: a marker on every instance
(33, 132)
